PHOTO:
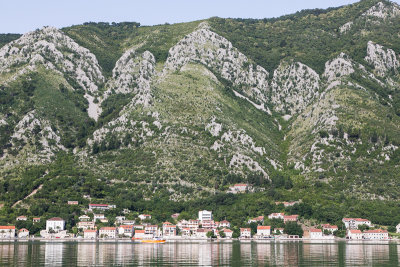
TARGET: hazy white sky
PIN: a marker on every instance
(19, 16)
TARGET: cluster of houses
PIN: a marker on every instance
(202, 227)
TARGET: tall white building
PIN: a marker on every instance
(205, 215)
(56, 224)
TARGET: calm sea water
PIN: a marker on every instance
(53, 253)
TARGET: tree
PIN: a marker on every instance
(392, 229)
(210, 234)
(363, 227)
(222, 234)
(292, 228)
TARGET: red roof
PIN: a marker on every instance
(244, 229)
(263, 227)
(227, 230)
(126, 226)
(99, 205)
(7, 227)
(108, 228)
(315, 231)
(90, 231)
(139, 231)
(355, 219)
(23, 230)
(355, 231)
(378, 231)
(56, 219)
(37, 218)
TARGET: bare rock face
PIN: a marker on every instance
(293, 87)
(132, 74)
(338, 67)
(383, 59)
(51, 48)
(218, 54)
(383, 11)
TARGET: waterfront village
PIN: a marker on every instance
(93, 224)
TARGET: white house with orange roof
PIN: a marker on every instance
(186, 232)
(263, 231)
(276, 216)
(354, 234)
(228, 232)
(85, 225)
(316, 233)
(330, 228)
(22, 218)
(193, 224)
(7, 231)
(353, 223)
(151, 230)
(36, 220)
(144, 217)
(139, 234)
(125, 230)
(259, 219)
(108, 232)
(290, 218)
(90, 234)
(23, 233)
(208, 224)
(202, 233)
(224, 224)
(55, 224)
(376, 234)
(169, 230)
(245, 233)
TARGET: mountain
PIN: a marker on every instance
(165, 118)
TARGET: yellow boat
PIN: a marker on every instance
(154, 241)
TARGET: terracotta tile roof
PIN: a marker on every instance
(56, 219)
(244, 229)
(355, 231)
(89, 231)
(139, 231)
(377, 231)
(3, 227)
(108, 228)
(315, 231)
(263, 227)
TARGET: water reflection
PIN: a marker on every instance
(330, 253)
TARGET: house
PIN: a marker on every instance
(186, 232)
(72, 202)
(120, 219)
(126, 230)
(245, 233)
(7, 231)
(239, 188)
(278, 231)
(376, 234)
(144, 216)
(169, 230)
(98, 217)
(263, 231)
(36, 220)
(330, 228)
(90, 234)
(140, 234)
(228, 232)
(202, 233)
(175, 216)
(23, 233)
(290, 218)
(259, 219)
(126, 211)
(85, 225)
(287, 204)
(55, 224)
(205, 215)
(22, 218)
(183, 224)
(276, 216)
(101, 207)
(193, 224)
(84, 218)
(108, 232)
(140, 227)
(224, 224)
(354, 234)
(353, 223)
(151, 230)
(128, 222)
(208, 224)
(316, 233)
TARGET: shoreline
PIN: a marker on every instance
(198, 240)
